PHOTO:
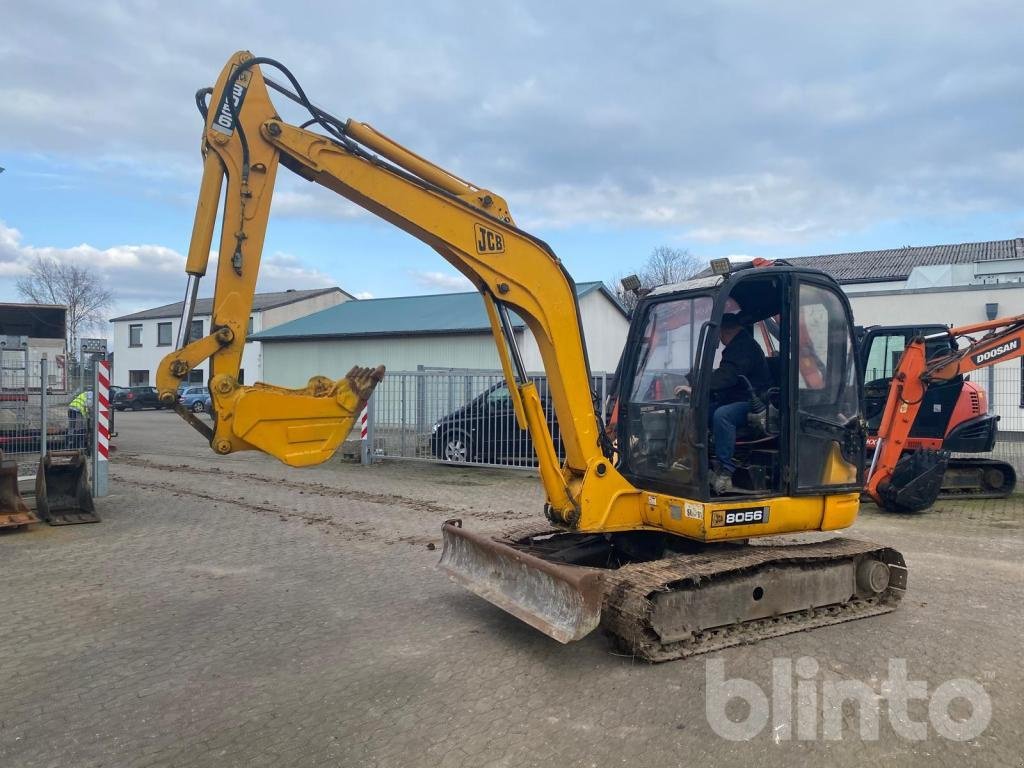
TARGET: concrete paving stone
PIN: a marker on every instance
(233, 611)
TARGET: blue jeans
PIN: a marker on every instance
(725, 419)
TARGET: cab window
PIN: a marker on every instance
(884, 356)
(828, 398)
(668, 348)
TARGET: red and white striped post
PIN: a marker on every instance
(101, 428)
(365, 455)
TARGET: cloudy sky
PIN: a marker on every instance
(722, 127)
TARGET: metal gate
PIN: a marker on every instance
(34, 401)
(457, 416)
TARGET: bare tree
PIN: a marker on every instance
(669, 265)
(81, 290)
(663, 266)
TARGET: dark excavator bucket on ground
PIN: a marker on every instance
(915, 483)
(14, 512)
(62, 489)
(562, 601)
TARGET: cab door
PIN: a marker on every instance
(827, 450)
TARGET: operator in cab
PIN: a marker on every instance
(730, 397)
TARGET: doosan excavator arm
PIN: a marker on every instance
(244, 141)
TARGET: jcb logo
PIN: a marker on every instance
(725, 517)
(488, 241)
(997, 352)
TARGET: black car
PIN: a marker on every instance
(485, 430)
(137, 398)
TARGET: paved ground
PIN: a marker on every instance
(231, 611)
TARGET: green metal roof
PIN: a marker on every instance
(441, 313)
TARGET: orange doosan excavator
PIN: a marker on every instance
(909, 471)
(954, 415)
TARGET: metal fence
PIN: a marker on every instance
(465, 417)
(29, 410)
(1005, 387)
(457, 416)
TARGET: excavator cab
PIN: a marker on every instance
(881, 347)
(804, 432)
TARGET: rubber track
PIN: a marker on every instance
(973, 493)
(627, 609)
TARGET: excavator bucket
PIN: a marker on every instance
(62, 489)
(562, 601)
(915, 483)
(14, 513)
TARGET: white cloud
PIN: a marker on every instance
(142, 276)
(318, 204)
(441, 282)
(364, 295)
(769, 122)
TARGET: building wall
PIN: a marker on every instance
(292, 363)
(271, 318)
(148, 356)
(961, 305)
(604, 328)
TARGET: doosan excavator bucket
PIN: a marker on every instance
(14, 512)
(62, 489)
(562, 601)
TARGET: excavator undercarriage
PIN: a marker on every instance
(660, 598)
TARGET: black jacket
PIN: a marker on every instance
(741, 357)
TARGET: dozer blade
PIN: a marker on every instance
(562, 601)
(62, 489)
(14, 512)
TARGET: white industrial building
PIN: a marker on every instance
(142, 339)
(446, 331)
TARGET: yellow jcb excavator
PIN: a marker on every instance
(635, 539)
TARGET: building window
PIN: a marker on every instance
(249, 329)
(134, 335)
(138, 378)
(163, 334)
(197, 330)
(195, 376)
(241, 375)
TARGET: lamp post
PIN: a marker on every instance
(991, 312)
